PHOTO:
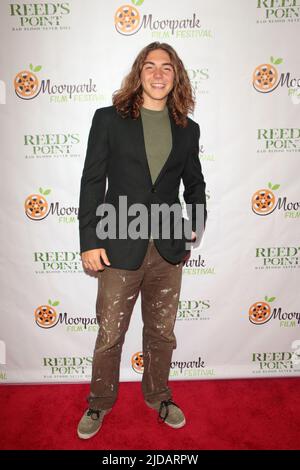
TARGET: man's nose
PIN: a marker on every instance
(157, 73)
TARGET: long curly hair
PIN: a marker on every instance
(128, 99)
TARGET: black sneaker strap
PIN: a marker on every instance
(92, 412)
(163, 412)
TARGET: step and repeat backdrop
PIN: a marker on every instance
(239, 310)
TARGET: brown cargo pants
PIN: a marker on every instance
(159, 282)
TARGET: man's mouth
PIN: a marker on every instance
(158, 85)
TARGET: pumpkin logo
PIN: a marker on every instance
(36, 205)
(45, 315)
(260, 312)
(265, 76)
(263, 200)
(26, 83)
(137, 362)
(127, 18)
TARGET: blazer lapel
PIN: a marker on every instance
(141, 145)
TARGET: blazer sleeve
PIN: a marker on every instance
(93, 182)
(193, 180)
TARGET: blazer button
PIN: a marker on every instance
(153, 190)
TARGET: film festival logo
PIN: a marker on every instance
(278, 140)
(47, 317)
(28, 86)
(264, 203)
(38, 208)
(193, 310)
(279, 11)
(57, 262)
(68, 367)
(191, 368)
(277, 362)
(40, 16)
(261, 313)
(266, 79)
(137, 362)
(50, 145)
(197, 265)
(128, 20)
(200, 79)
(278, 257)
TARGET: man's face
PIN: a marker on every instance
(157, 78)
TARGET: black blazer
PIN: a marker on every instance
(116, 152)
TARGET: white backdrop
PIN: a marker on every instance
(239, 312)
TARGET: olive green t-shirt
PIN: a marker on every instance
(158, 139)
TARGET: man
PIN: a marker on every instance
(143, 145)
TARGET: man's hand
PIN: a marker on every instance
(187, 256)
(92, 259)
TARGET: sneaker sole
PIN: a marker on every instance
(176, 426)
(88, 436)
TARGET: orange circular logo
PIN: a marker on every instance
(137, 362)
(263, 201)
(36, 206)
(127, 19)
(26, 84)
(259, 312)
(265, 77)
(45, 316)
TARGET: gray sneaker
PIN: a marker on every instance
(91, 423)
(169, 413)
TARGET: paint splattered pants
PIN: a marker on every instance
(159, 282)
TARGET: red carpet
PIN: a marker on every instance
(221, 414)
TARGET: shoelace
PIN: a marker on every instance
(165, 405)
(91, 412)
